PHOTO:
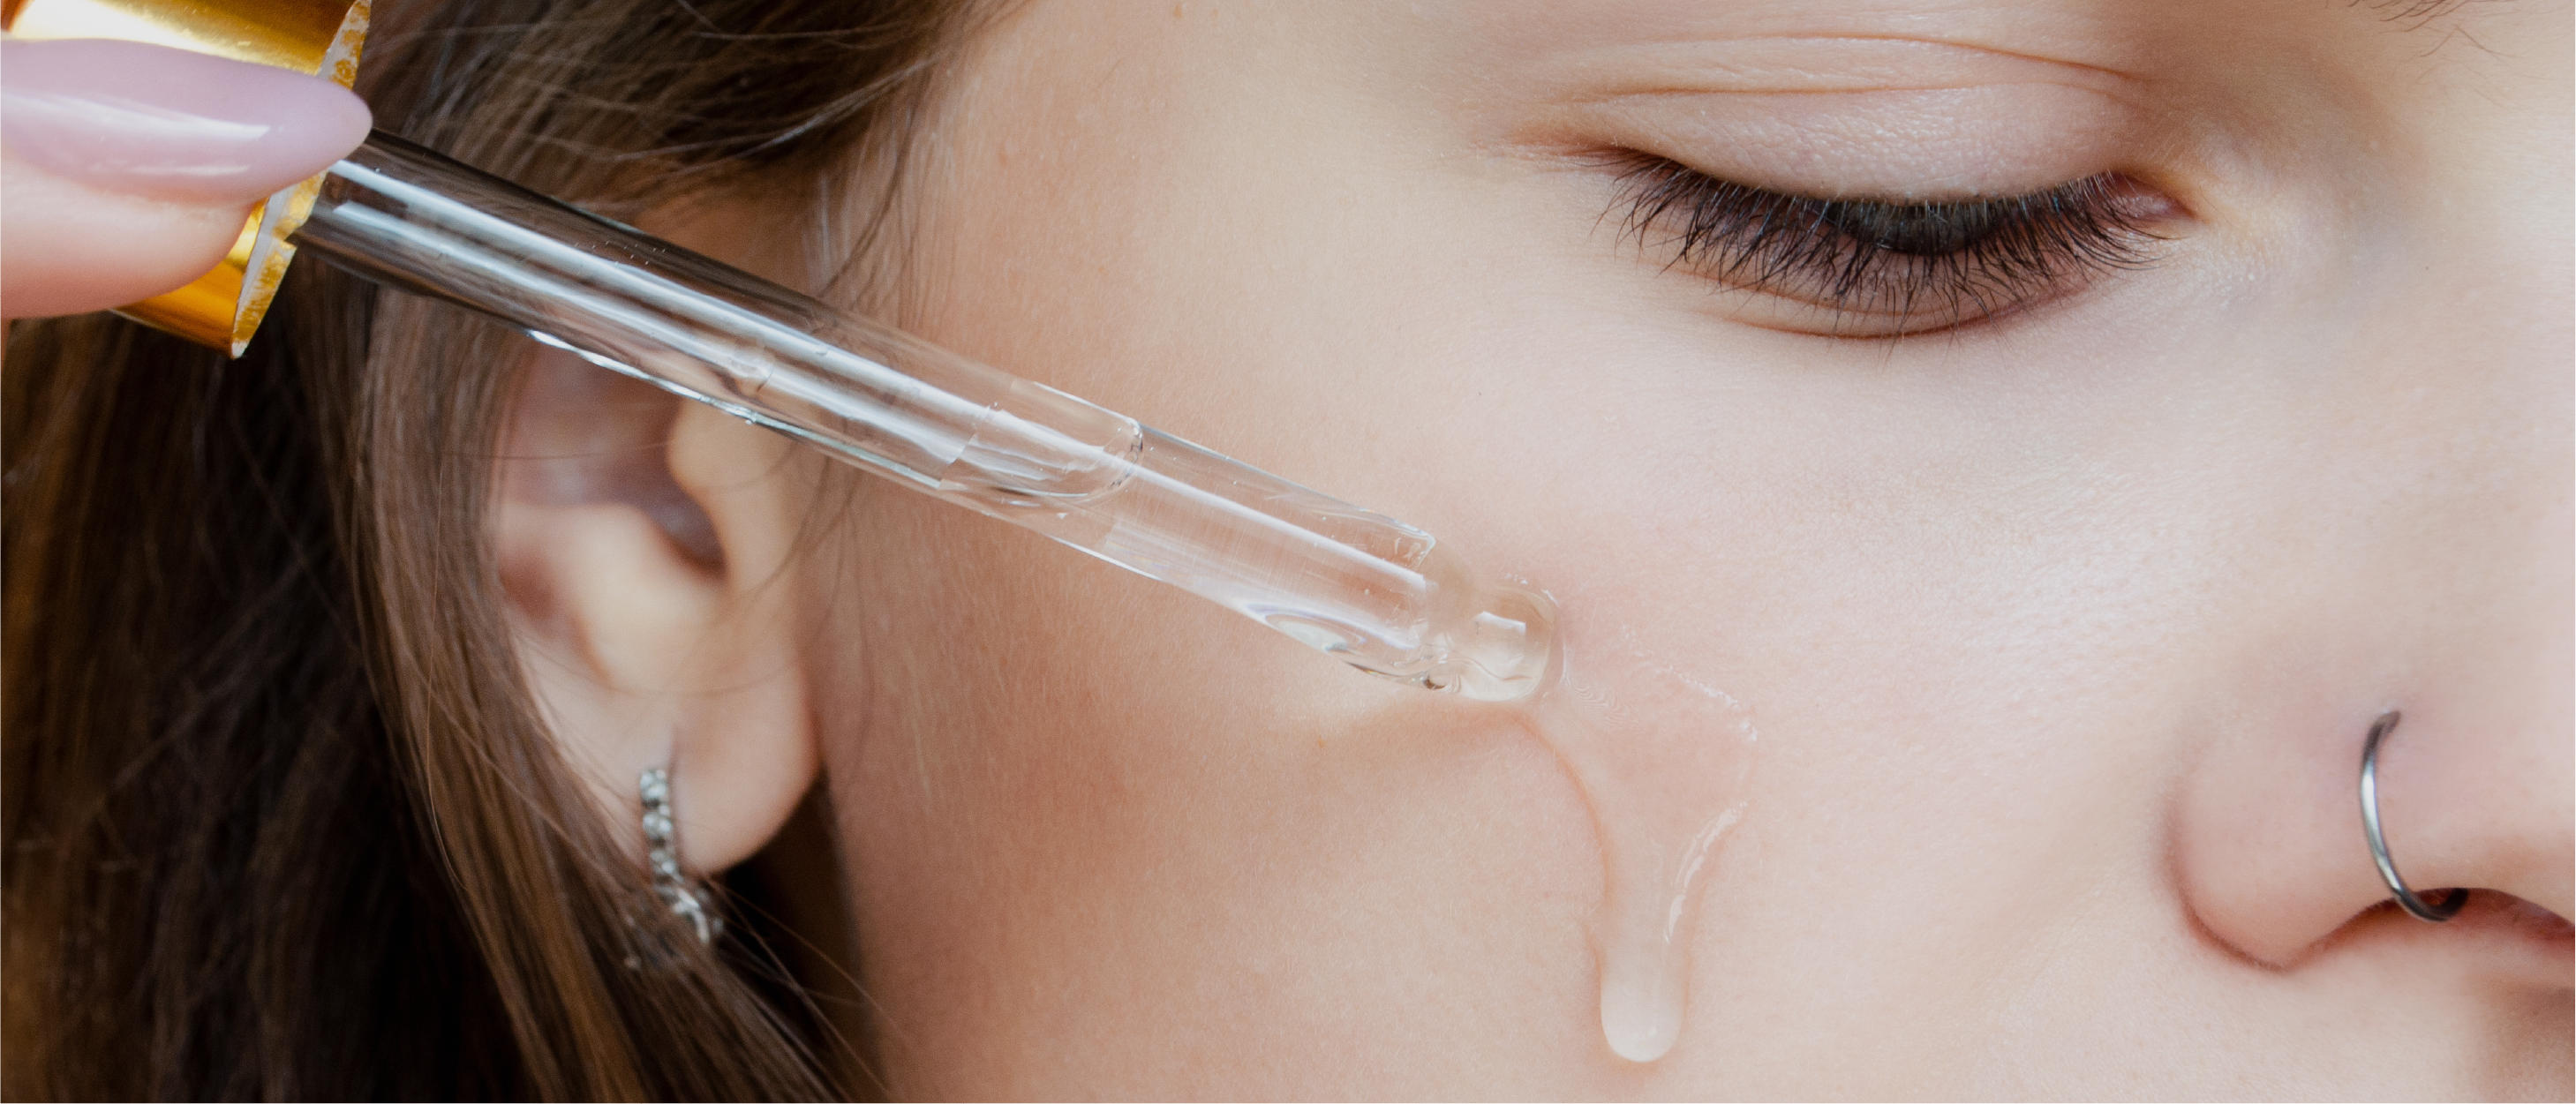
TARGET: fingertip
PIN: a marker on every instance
(171, 124)
(73, 249)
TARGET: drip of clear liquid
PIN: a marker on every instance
(1661, 758)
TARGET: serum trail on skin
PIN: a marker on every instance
(1661, 759)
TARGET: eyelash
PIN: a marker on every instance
(1928, 265)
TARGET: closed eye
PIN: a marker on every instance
(1886, 267)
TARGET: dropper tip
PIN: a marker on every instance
(1509, 648)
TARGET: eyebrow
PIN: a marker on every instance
(2414, 15)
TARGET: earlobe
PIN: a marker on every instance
(749, 743)
(644, 545)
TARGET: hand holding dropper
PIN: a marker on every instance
(1367, 589)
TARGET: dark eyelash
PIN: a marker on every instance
(1945, 261)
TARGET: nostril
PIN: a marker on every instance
(2496, 935)
(2520, 937)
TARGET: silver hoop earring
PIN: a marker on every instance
(661, 840)
(2414, 904)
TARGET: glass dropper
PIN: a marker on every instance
(1367, 589)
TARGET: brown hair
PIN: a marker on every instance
(281, 820)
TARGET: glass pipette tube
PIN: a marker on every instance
(1367, 589)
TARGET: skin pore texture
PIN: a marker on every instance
(2055, 625)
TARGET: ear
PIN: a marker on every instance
(643, 546)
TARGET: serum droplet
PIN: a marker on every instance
(1661, 758)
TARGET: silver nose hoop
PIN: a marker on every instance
(2408, 899)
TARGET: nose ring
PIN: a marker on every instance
(2432, 913)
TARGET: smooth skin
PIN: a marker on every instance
(2061, 628)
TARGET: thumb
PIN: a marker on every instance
(127, 169)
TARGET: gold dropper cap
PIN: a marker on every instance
(222, 308)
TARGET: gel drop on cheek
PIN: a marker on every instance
(1661, 756)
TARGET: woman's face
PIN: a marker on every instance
(2051, 592)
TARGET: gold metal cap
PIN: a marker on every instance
(222, 308)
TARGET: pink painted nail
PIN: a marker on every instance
(170, 124)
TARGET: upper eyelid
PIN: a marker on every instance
(1630, 165)
(1979, 137)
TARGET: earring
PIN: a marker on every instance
(662, 851)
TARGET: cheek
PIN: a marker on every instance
(1103, 831)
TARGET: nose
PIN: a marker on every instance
(2432, 572)
(2449, 602)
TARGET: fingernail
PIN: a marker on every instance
(167, 123)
